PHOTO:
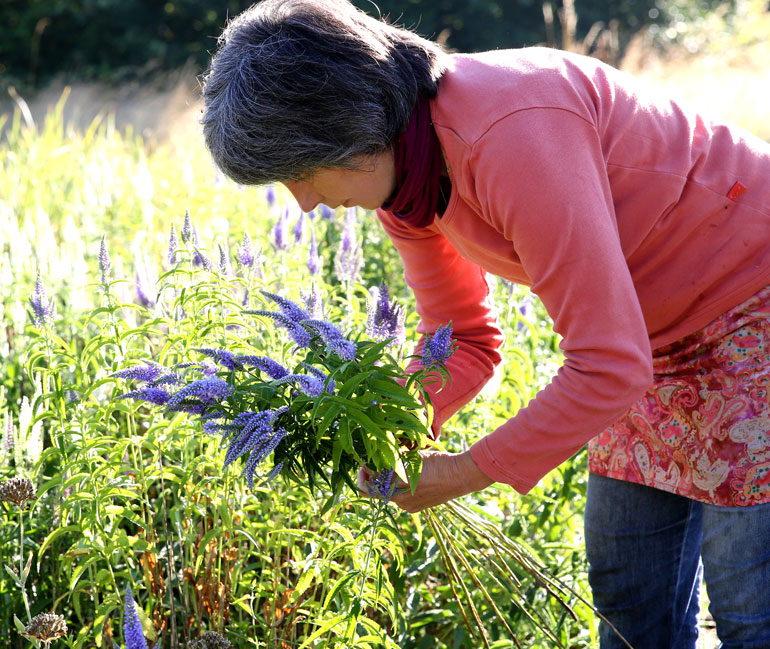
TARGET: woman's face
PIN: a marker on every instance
(368, 186)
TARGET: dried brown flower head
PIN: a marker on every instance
(46, 627)
(17, 491)
(210, 640)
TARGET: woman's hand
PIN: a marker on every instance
(444, 476)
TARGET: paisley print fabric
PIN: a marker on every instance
(703, 429)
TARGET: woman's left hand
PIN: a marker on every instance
(444, 476)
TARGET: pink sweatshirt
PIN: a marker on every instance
(635, 221)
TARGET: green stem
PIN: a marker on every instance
(22, 578)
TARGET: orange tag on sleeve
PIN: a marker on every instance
(736, 190)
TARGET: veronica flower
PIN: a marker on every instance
(224, 260)
(187, 228)
(221, 356)
(208, 391)
(299, 227)
(383, 485)
(10, 433)
(310, 385)
(270, 367)
(335, 341)
(257, 438)
(140, 373)
(245, 256)
(173, 246)
(274, 472)
(524, 309)
(349, 258)
(327, 213)
(384, 319)
(132, 626)
(199, 258)
(42, 307)
(280, 237)
(290, 309)
(104, 261)
(438, 348)
(168, 379)
(259, 453)
(312, 302)
(150, 394)
(322, 376)
(141, 292)
(313, 260)
(311, 215)
(296, 331)
(270, 195)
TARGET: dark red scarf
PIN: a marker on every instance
(417, 155)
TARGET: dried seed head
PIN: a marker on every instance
(46, 627)
(17, 491)
(210, 640)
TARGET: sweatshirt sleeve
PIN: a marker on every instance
(541, 180)
(448, 287)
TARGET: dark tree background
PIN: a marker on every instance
(114, 40)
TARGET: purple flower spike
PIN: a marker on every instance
(259, 453)
(385, 319)
(153, 395)
(245, 256)
(255, 433)
(173, 246)
(299, 228)
(310, 385)
(132, 626)
(221, 356)
(438, 348)
(140, 373)
(270, 195)
(274, 472)
(42, 307)
(313, 260)
(335, 341)
(142, 297)
(224, 260)
(296, 331)
(270, 367)
(327, 213)
(383, 485)
(291, 310)
(187, 228)
(199, 258)
(208, 391)
(322, 376)
(349, 258)
(104, 261)
(280, 236)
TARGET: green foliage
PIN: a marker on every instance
(128, 496)
(117, 40)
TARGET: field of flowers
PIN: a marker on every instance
(139, 291)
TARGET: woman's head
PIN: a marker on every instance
(297, 86)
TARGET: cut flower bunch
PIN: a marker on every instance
(328, 408)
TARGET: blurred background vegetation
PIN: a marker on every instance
(117, 40)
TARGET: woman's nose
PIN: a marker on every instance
(304, 195)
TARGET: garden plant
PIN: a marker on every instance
(193, 372)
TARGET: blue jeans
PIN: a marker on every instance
(646, 549)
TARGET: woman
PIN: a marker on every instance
(644, 229)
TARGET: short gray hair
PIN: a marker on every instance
(300, 85)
